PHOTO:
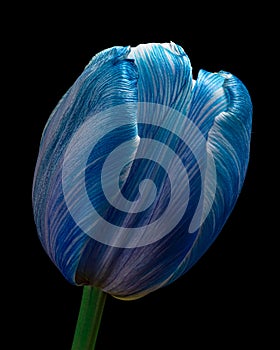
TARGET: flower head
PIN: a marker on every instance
(139, 168)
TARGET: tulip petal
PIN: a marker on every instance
(165, 74)
(229, 143)
(164, 80)
(108, 80)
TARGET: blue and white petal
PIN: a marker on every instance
(228, 142)
(108, 80)
(135, 270)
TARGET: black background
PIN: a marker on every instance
(217, 303)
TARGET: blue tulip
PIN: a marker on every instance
(139, 168)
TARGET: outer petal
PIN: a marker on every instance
(108, 80)
(164, 89)
(228, 141)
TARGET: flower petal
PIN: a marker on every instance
(165, 74)
(228, 142)
(108, 80)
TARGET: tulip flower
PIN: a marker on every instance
(138, 170)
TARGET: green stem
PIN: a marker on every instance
(90, 314)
